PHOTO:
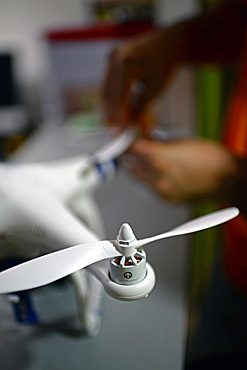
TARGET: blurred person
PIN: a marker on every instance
(191, 169)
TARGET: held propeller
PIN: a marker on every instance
(112, 150)
(51, 267)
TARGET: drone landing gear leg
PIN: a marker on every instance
(89, 296)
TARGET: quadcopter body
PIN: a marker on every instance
(40, 204)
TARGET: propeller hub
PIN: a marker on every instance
(130, 268)
(126, 241)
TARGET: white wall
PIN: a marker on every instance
(21, 26)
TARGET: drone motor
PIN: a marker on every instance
(130, 268)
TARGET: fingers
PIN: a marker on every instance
(129, 86)
(121, 97)
(146, 163)
(185, 169)
(138, 71)
(116, 87)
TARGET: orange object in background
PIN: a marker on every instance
(235, 137)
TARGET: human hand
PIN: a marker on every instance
(185, 170)
(137, 73)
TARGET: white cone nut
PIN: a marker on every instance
(126, 240)
(125, 233)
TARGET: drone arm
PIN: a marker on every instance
(75, 176)
(38, 214)
(91, 179)
(88, 211)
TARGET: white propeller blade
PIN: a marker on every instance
(115, 148)
(200, 223)
(51, 267)
(46, 269)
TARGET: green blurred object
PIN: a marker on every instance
(210, 96)
(210, 103)
(123, 10)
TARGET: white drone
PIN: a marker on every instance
(34, 206)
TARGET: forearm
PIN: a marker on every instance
(152, 59)
(216, 37)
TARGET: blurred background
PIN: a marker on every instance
(53, 56)
(35, 65)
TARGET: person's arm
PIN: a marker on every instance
(140, 68)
